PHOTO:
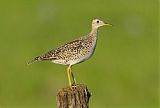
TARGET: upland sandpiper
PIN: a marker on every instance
(74, 52)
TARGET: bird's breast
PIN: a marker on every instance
(85, 52)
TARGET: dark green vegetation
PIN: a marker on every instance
(122, 73)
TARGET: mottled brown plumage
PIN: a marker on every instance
(75, 51)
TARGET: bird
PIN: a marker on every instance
(74, 52)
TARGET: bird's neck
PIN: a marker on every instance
(94, 32)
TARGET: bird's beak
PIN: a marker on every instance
(110, 25)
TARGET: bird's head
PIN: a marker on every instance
(96, 23)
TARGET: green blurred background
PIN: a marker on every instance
(123, 73)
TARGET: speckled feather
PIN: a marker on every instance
(71, 52)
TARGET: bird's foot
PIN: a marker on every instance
(73, 86)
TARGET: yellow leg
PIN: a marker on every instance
(69, 77)
(70, 74)
(73, 78)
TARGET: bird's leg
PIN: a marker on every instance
(68, 74)
(73, 78)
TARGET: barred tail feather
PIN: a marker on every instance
(34, 60)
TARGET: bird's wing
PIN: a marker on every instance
(55, 53)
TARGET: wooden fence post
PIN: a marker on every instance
(75, 97)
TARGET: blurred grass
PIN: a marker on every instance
(122, 73)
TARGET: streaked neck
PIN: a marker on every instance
(93, 32)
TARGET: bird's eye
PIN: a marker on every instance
(97, 21)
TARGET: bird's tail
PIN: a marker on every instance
(35, 60)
